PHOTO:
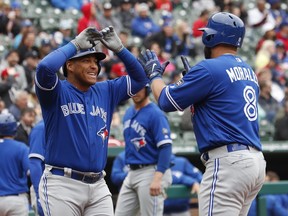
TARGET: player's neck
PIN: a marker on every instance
(142, 104)
(222, 50)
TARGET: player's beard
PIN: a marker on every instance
(207, 52)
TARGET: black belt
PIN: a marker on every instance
(9, 195)
(230, 148)
(138, 166)
(88, 178)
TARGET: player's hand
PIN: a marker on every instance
(195, 188)
(155, 188)
(111, 40)
(86, 38)
(185, 64)
(151, 64)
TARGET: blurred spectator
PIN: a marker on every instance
(259, 16)
(282, 34)
(30, 63)
(20, 103)
(109, 19)
(27, 44)
(67, 4)
(4, 11)
(89, 18)
(12, 73)
(200, 22)
(26, 26)
(279, 14)
(65, 27)
(166, 38)
(183, 32)
(45, 48)
(163, 56)
(183, 173)
(163, 5)
(26, 123)
(143, 25)
(15, 19)
(268, 34)
(3, 108)
(117, 70)
(281, 125)
(126, 14)
(263, 56)
(267, 102)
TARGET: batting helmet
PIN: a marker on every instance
(8, 125)
(223, 28)
(94, 50)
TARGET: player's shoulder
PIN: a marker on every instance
(15, 144)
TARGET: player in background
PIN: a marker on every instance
(77, 114)
(119, 170)
(36, 163)
(183, 173)
(224, 92)
(147, 153)
(14, 169)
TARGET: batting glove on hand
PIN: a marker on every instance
(151, 64)
(185, 64)
(111, 40)
(86, 38)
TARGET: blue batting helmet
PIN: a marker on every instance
(223, 28)
(8, 125)
(94, 50)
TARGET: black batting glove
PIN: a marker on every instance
(185, 64)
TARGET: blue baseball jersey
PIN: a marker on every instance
(145, 131)
(13, 167)
(77, 123)
(183, 172)
(223, 93)
(36, 141)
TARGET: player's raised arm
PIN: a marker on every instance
(135, 71)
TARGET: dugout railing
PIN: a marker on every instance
(281, 187)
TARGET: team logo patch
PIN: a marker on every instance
(179, 82)
(139, 142)
(103, 133)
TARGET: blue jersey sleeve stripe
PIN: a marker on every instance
(162, 142)
(172, 100)
(129, 89)
(45, 89)
(35, 155)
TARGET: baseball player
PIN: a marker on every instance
(36, 163)
(147, 153)
(77, 113)
(224, 91)
(13, 170)
(184, 173)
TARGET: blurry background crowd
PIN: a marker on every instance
(30, 29)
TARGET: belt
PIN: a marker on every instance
(230, 148)
(86, 177)
(138, 166)
(9, 195)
